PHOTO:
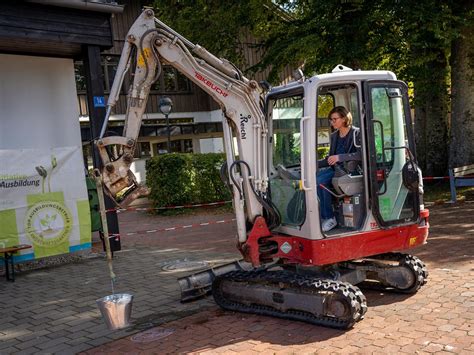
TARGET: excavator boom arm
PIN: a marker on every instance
(152, 43)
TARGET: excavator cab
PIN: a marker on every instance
(369, 194)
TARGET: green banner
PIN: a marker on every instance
(44, 201)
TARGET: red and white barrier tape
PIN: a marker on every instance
(445, 177)
(181, 227)
(118, 209)
(429, 178)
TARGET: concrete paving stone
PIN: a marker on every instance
(4, 344)
(5, 326)
(44, 310)
(58, 328)
(78, 334)
(98, 341)
(40, 327)
(72, 340)
(76, 349)
(55, 315)
(40, 316)
(65, 319)
(99, 333)
(50, 343)
(66, 333)
(56, 348)
(30, 343)
(9, 350)
(74, 322)
(28, 351)
(82, 326)
(34, 334)
(9, 318)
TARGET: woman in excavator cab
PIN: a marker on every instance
(342, 149)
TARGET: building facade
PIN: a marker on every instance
(195, 120)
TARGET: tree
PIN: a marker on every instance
(425, 28)
(217, 25)
(462, 89)
(412, 39)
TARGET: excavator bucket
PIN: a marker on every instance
(198, 285)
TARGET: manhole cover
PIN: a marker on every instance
(184, 265)
(151, 335)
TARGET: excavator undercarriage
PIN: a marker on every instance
(324, 296)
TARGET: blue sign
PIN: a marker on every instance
(99, 101)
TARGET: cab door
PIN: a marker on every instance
(390, 147)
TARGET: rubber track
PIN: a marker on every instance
(411, 262)
(289, 280)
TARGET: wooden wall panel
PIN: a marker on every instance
(121, 24)
(38, 29)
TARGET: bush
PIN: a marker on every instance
(322, 152)
(176, 179)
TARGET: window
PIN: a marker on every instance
(80, 76)
(325, 104)
(354, 109)
(286, 114)
(109, 68)
(171, 81)
(176, 146)
(391, 137)
(387, 110)
(142, 150)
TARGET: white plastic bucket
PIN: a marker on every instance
(116, 310)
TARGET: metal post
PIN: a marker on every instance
(166, 104)
(97, 112)
(169, 134)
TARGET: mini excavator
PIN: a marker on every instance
(271, 139)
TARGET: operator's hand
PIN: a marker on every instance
(333, 159)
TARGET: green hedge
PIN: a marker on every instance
(323, 152)
(176, 179)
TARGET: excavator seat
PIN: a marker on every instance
(348, 184)
(347, 180)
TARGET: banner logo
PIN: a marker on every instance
(48, 223)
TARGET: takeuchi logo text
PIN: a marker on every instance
(211, 85)
(48, 223)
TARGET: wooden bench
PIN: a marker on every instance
(462, 176)
(8, 257)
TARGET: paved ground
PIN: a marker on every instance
(53, 310)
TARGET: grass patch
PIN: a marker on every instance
(440, 191)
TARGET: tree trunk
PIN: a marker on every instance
(431, 111)
(461, 150)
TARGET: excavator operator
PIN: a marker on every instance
(342, 149)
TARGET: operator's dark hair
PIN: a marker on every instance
(344, 113)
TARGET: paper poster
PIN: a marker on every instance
(44, 201)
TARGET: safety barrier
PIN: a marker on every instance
(120, 209)
(194, 225)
